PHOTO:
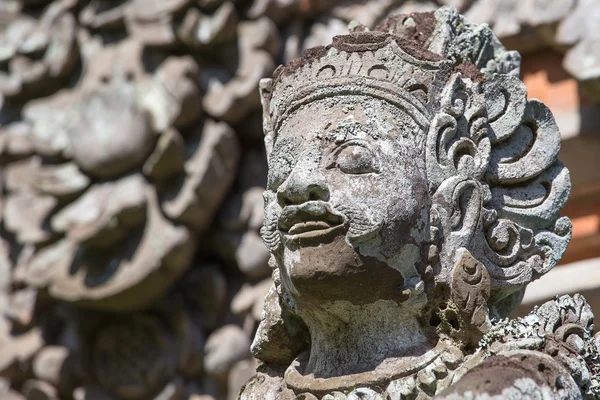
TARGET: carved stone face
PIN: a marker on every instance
(347, 188)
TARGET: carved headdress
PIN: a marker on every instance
(496, 184)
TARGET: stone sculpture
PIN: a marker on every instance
(413, 193)
(127, 123)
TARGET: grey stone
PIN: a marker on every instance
(39, 390)
(127, 279)
(62, 180)
(173, 96)
(105, 214)
(233, 101)
(582, 61)
(237, 240)
(225, 347)
(52, 364)
(250, 299)
(413, 192)
(18, 350)
(26, 215)
(167, 158)
(240, 373)
(8, 394)
(15, 141)
(91, 393)
(22, 306)
(95, 91)
(6, 267)
(322, 32)
(204, 288)
(210, 170)
(40, 53)
(100, 14)
(203, 31)
(122, 342)
(153, 21)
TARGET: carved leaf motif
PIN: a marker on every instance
(457, 142)
(505, 98)
(535, 156)
(471, 290)
(489, 133)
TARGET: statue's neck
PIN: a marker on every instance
(348, 339)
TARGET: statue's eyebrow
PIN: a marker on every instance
(343, 133)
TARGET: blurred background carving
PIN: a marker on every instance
(132, 170)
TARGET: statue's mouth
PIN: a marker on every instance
(309, 220)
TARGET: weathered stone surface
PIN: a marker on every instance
(93, 92)
(26, 215)
(17, 351)
(39, 53)
(15, 141)
(53, 364)
(91, 393)
(250, 299)
(224, 347)
(140, 340)
(583, 60)
(172, 96)
(238, 240)
(240, 373)
(413, 192)
(5, 281)
(204, 288)
(59, 180)
(127, 279)
(201, 31)
(167, 158)
(62, 180)
(276, 340)
(210, 170)
(153, 21)
(100, 14)
(233, 100)
(9, 394)
(34, 389)
(21, 306)
(105, 214)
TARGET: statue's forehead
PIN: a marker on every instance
(342, 118)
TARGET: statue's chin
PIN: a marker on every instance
(333, 270)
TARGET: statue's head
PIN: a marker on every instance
(407, 164)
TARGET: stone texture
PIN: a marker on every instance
(210, 168)
(413, 192)
(224, 347)
(146, 114)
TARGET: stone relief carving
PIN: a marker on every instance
(413, 192)
(181, 79)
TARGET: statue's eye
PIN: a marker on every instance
(354, 159)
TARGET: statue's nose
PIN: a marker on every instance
(302, 186)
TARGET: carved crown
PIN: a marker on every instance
(370, 63)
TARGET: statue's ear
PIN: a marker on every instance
(266, 91)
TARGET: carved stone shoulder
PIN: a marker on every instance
(550, 353)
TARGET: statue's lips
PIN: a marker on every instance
(312, 218)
